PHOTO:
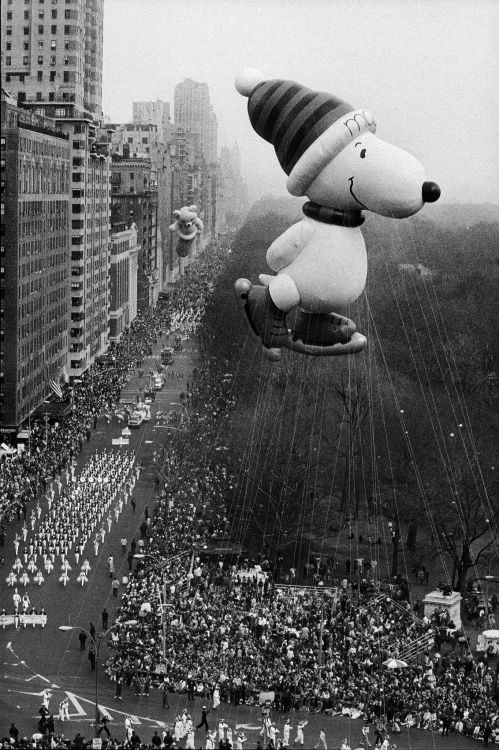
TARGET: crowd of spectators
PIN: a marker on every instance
(240, 636)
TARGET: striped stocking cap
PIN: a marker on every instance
(307, 128)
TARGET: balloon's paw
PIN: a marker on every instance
(266, 320)
(322, 330)
(356, 344)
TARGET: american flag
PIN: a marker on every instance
(56, 388)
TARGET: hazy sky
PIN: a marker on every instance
(427, 69)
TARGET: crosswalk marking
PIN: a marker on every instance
(80, 711)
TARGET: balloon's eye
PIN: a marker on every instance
(363, 153)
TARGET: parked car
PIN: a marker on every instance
(135, 419)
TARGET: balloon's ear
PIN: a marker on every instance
(194, 209)
(176, 214)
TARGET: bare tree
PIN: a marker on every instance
(354, 401)
(464, 515)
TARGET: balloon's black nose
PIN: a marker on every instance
(431, 192)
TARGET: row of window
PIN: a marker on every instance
(31, 322)
(36, 208)
(34, 337)
(68, 76)
(39, 264)
(48, 177)
(43, 147)
(41, 2)
(48, 244)
(41, 14)
(48, 224)
(68, 45)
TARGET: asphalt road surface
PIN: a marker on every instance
(34, 659)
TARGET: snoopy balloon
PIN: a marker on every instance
(331, 154)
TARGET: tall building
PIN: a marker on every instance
(52, 52)
(134, 200)
(90, 245)
(232, 197)
(153, 113)
(123, 277)
(139, 139)
(35, 260)
(194, 113)
(52, 66)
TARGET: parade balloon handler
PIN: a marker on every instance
(330, 152)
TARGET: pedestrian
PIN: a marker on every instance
(91, 657)
(204, 721)
(128, 728)
(119, 688)
(64, 710)
(104, 721)
(105, 616)
(123, 544)
(110, 562)
(286, 733)
(130, 561)
(216, 697)
(164, 693)
(82, 637)
(47, 695)
(92, 630)
(115, 585)
(133, 503)
(322, 740)
(365, 734)
(299, 739)
(13, 732)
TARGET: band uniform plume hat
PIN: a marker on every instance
(307, 128)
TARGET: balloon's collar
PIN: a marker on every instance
(187, 236)
(332, 215)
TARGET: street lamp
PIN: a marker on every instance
(162, 564)
(184, 407)
(97, 646)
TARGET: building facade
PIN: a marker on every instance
(193, 112)
(53, 52)
(153, 113)
(53, 68)
(137, 139)
(134, 200)
(35, 259)
(232, 195)
(123, 277)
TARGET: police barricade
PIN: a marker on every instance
(33, 620)
(23, 620)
